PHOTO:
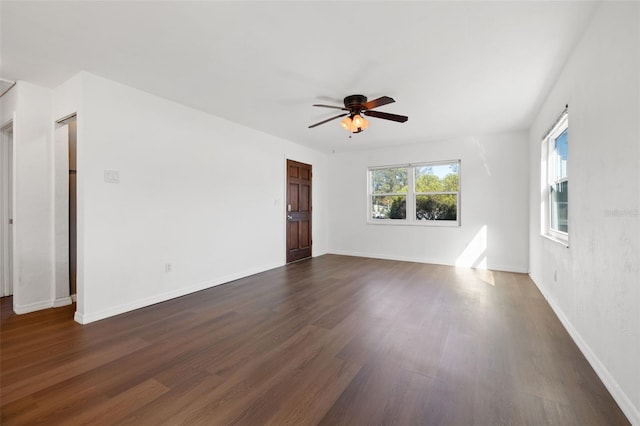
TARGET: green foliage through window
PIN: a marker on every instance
(430, 192)
(389, 181)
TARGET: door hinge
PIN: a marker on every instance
(10, 221)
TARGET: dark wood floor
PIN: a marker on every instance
(331, 340)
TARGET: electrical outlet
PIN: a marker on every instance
(111, 176)
(167, 267)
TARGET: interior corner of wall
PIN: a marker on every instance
(62, 301)
(79, 318)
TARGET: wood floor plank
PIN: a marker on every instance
(69, 368)
(65, 405)
(250, 380)
(381, 394)
(120, 406)
(179, 401)
(330, 340)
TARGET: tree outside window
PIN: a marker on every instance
(423, 193)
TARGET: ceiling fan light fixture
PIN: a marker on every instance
(357, 106)
(346, 123)
(354, 124)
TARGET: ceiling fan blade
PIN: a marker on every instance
(331, 106)
(384, 100)
(387, 116)
(327, 120)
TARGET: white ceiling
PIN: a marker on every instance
(455, 68)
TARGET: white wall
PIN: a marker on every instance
(494, 199)
(196, 191)
(597, 290)
(30, 106)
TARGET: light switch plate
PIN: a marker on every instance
(111, 176)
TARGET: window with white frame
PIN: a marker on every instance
(555, 191)
(415, 194)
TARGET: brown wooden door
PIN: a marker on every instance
(298, 211)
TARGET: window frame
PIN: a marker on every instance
(411, 195)
(549, 179)
(389, 194)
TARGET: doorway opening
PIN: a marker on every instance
(6, 210)
(298, 212)
(65, 210)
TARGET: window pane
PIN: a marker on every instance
(389, 207)
(384, 181)
(560, 154)
(437, 207)
(559, 206)
(437, 178)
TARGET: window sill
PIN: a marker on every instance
(431, 224)
(556, 240)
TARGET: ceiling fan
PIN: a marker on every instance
(356, 105)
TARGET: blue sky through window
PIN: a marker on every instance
(562, 143)
(440, 170)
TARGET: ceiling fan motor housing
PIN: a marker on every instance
(355, 103)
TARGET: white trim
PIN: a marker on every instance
(561, 118)
(66, 119)
(31, 307)
(285, 194)
(390, 166)
(406, 222)
(623, 400)
(7, 207)
(86, 318)
(556, 240)
(422, 163)
(549, 177)
(62, 301)
(558, 235)
(60, 203)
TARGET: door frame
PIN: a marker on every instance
(7, 211)
(61, 296)
(287, 159)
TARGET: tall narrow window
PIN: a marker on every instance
(556, 184)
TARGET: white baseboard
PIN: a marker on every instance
(424, 260)
(38, 306)
(319, 253)
(31, 307)
(86, 318)
(79, 318)
(62, 301)
(632, 412)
